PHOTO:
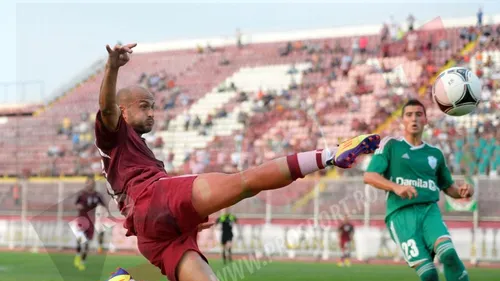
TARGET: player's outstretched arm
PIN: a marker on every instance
(378, 181)
(117, 57)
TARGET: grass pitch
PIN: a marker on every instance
(16, 266)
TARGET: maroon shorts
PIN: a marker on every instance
(86, 224)
(344, 243)
(166, 223)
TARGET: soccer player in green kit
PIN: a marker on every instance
(413, 173)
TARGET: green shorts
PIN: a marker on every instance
(415, 229)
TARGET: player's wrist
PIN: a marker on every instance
(111, 66)
(395, 187)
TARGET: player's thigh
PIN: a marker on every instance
(433, 227)
(193, 267)
(406, 233)
(175, 257)
(166, 210)
(215, 191)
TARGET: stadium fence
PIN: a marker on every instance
(40, 213)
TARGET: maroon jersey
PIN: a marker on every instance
(128, 164)
(346, 230)
(89, 201)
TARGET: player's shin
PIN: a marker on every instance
(101, 241)
(224, 254)
(229, 254)
(78, 258)
(454, 269)
(85, 251)
(78, 246)
(427, 272)
(283, 171)
(304, 163)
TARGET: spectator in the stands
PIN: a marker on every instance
(338, 47)
(196, 122)
(411, 45)
(66, 127)
(242, 118)
(355, 45)
(411, 21)
(239, 42)
(242, 97)
(286, 50)
(326, 48)
(224, 60)
(479, 17)
(221, 113)
(153, 80)
(185, 100)
(16, 193)
(363, 44)
(187, 120)
(345, 65)
(209, 48)
(209, 121)
(142, 78)
(384, 33)
(292, 70)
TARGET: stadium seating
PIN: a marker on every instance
(206, 82)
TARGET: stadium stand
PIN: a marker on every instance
(226, 107)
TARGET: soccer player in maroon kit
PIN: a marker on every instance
(166, 213)
(86, 202)
(346, 232)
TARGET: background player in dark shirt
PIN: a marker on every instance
(165, 213)
(86, 202)
(227, 220)
(346, 232)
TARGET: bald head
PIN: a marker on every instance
(131, 94)
(137, 106)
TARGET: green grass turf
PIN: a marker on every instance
(42, 267)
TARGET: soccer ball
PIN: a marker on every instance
(457, 91)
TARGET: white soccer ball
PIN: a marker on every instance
(457, 91)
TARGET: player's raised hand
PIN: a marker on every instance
(466, 190)
(119, 55)
(406, 191)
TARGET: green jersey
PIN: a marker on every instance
(422, 167)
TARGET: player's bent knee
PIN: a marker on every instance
(446, 252)
(427, 272)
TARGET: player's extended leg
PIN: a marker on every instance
(78, 257)
(342, 249)
(84, 255)
(224, 258)
(100, 239)
(405, 229)
(438, 239)
(215, 191)
(427, 271)
(454, 269)
(229, 245)
(347, 254)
